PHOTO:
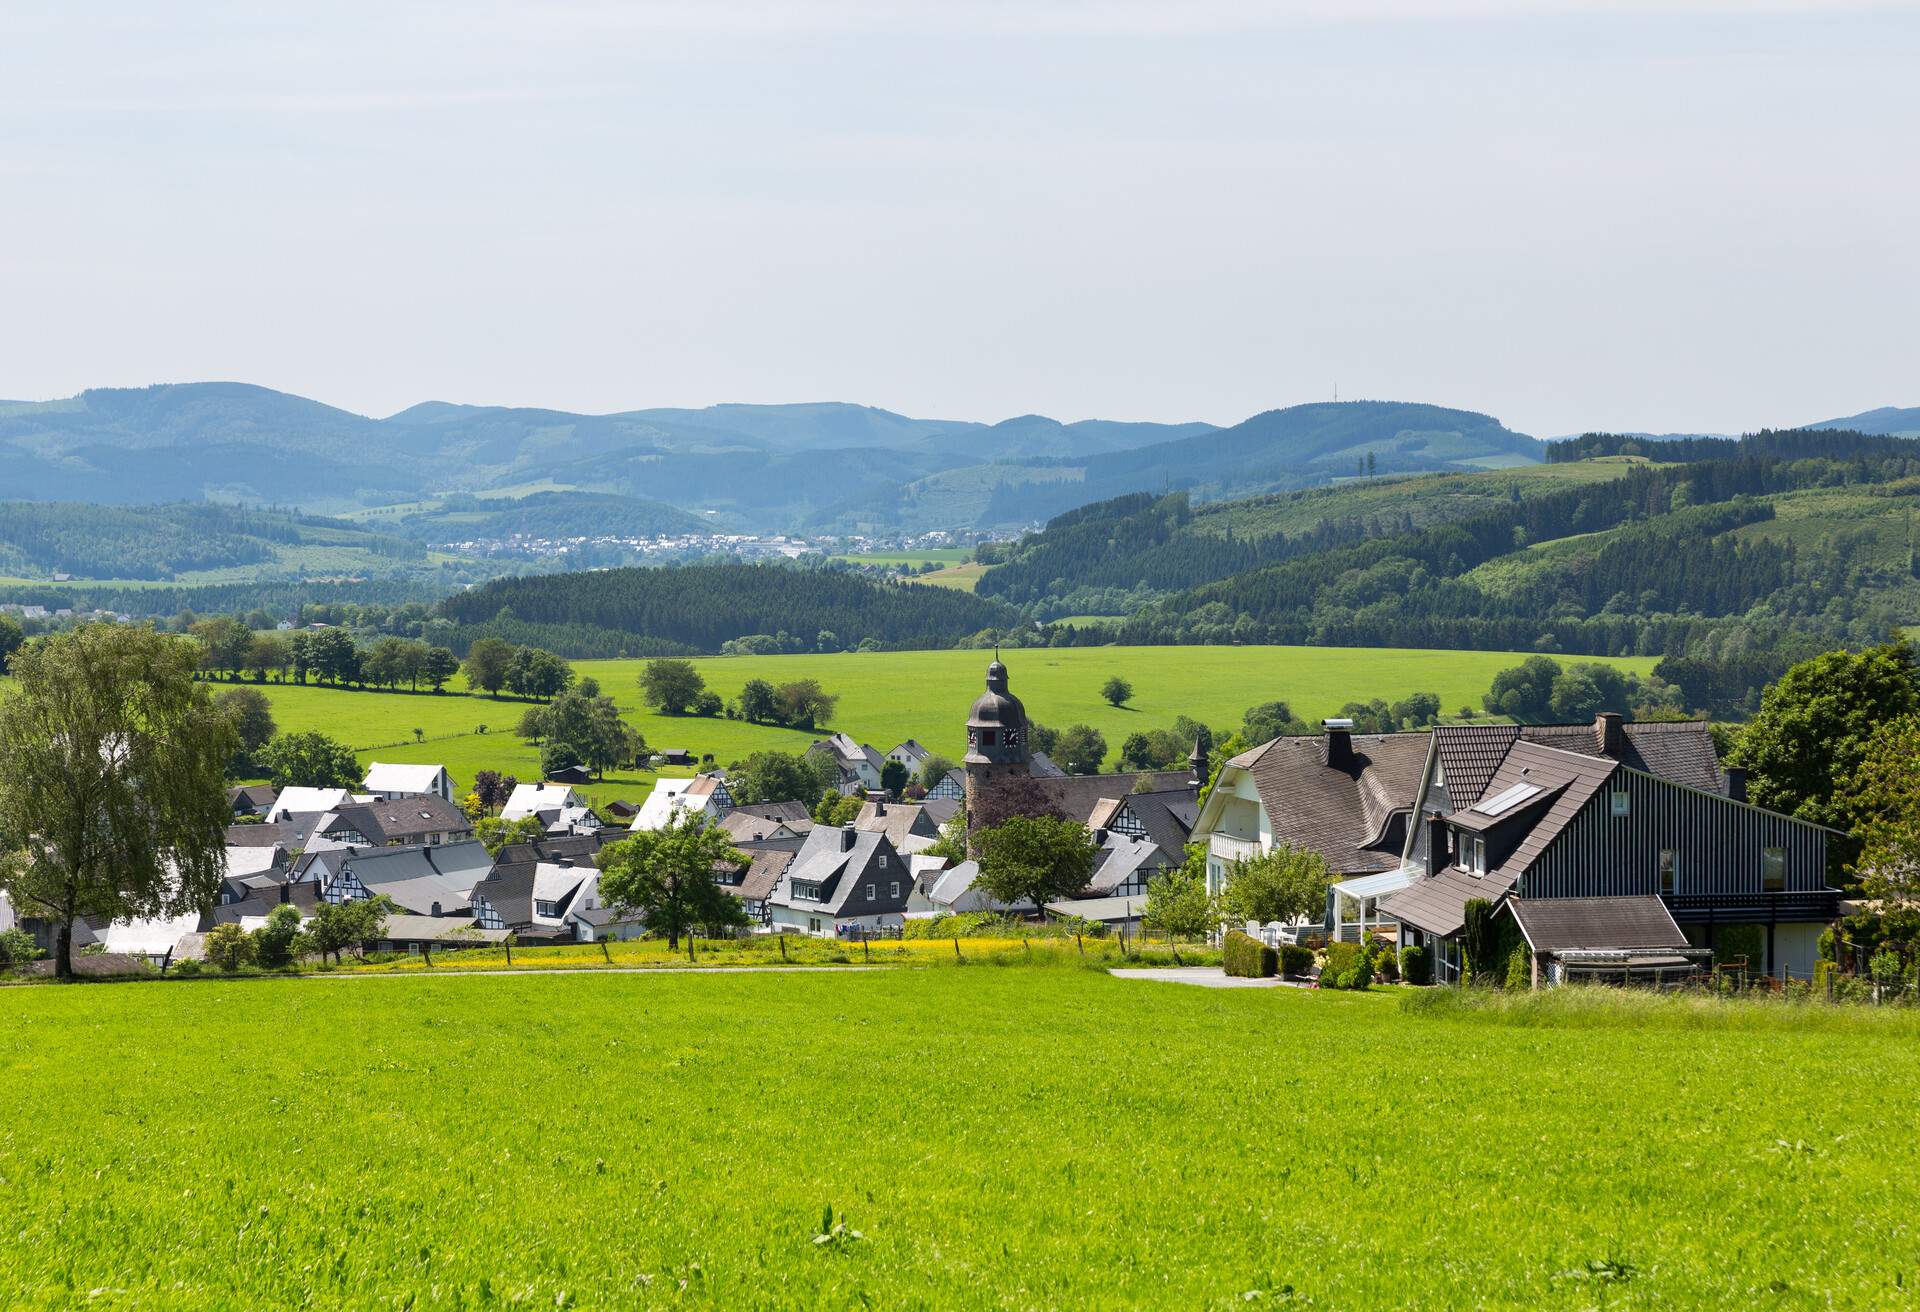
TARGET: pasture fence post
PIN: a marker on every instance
(426, 953)
(689, 946)
(507, 943)
(1079, 944)
(783, 945)
(956, 949)
(866, 946)
(606, 951)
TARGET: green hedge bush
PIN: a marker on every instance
(1414, 965)
(1295, 960)
(1247, 957)
(1345, 967)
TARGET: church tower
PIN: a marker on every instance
(997, 746)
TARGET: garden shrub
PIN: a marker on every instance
(1413, 965)
(1519, 974)
(185, 969)
(229, 947)
(1247, 957)
(17, 948)
(1826, 945)
(1295, 960)
(1735, 941)
(1345, 967)
(1823, 973)
(1384, 962)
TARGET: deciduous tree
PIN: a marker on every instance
(666, 877)
(1035, 859)
(1285, 884)
(671, 685)
(112, 780)
(309, 759)
(487, 662)
(1117, 691)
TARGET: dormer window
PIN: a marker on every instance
(986, 737)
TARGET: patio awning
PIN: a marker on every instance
(1362, 886)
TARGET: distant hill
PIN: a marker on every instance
(463, 517)
(823, 467)
(1888, 420)
(1295, 447)
(42, 539)
(699, 607)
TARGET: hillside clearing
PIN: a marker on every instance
(983, 1137)
(886, 697)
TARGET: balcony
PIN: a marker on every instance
(1753, 908)
(1230, 849)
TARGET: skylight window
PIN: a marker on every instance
(1506, 799)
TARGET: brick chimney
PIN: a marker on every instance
(1339, 742)
(1607, 734)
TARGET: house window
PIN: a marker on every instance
(1773, 869)
(546, 909)
(893, 889)
(1620, 806)
(1479, 856)
(1669, 869)
(1462, 850)
(881, 861)
(813, 924)
(872, 892)
(986, 737)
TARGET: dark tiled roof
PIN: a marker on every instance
(578, 848)
(941, 809)
(763, 876)
(1438, 904)
(255, 795)
(1564, 924)
(406, 817)
(304, 897)
(1077, 794)
(1681, 752)
(1123, 856)
(283, 834)
(789, 811)
(1167, 816)
(1569, 777)
(743, 827)
(1341, 812)
(901, 821)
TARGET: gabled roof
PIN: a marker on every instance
(821, 861)
(1438, 904)
(1680, 751)
(901, 821)
(407, 817)
(389, 777)
(1121, 857)
(776, 810)
(1167, 814)
(1568, 779)
(254, 795)
(762, 876)
(418, 877)
(744, 827)
(308, 801)
(533, 798)
(1078, 794)
(1571, 924)
(1340, 811)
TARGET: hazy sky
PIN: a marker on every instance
(1650, 216)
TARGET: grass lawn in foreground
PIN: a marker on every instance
(889, 696)
(999, 1137)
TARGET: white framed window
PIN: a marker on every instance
(1479, 856)
(1773, 869)
(882, 861)
(1620, 804)
(873, 892)
(893, 889)
(1669, 869)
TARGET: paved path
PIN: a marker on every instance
(1207, 977)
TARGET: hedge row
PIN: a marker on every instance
(1246, 956)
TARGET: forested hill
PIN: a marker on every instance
(40, 539)
(702, 607)
(1731, 564)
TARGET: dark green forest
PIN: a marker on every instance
(159, 542)
(701, 607)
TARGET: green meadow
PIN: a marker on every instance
(886, 697)
(977, 1137)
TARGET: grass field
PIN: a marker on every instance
(992, 1138)
(890, 696)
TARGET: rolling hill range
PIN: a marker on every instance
(1731, 563)
(820, 467)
